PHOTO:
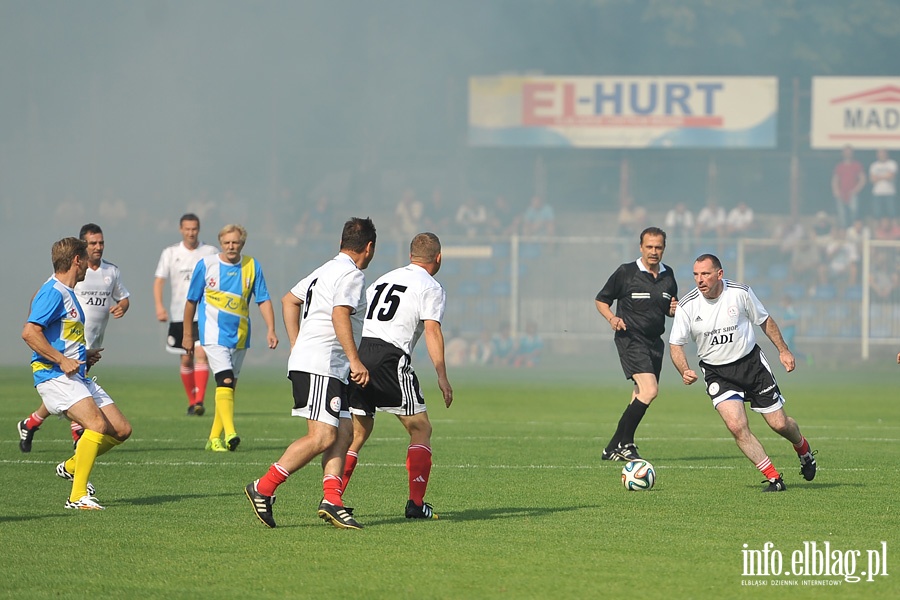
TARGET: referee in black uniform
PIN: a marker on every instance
(645, 293)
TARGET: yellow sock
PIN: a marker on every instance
(85, 455)
(107, 444)
(225, 409)
(217, 427)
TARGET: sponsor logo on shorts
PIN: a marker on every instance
(335, 404)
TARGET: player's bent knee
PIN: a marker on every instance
(225, 379)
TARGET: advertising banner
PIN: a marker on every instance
(623, 112)
(863, 112)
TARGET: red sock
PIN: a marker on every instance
(272, 479)
(418, 465)
(187, 379)
(349, 465)
(331, 486)
(33, 421)
(803, 447)
(77, 430)
(766, 467)
(201, 376)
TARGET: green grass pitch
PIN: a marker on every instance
(527, 509)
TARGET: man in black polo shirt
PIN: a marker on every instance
(645, 293)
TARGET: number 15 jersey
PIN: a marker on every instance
(399, 302)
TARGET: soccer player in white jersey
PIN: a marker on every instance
(220, 292)
(55, 333)
(323, 315)
(402, 305)
(719, 315)
(101, 294)
(176, 264)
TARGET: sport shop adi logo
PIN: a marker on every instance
(813, 560)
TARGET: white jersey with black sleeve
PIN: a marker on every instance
(722, 328)
(176, 263)
(339, 282)
(398, 304)
(101, 289)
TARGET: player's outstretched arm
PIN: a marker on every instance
(33, 335)
(268, 315)
(187, 339)
(770, 328)
(119, 309)
(434, 341)
(291, 310)
(679, 359)
(158, 285)
(343, 330)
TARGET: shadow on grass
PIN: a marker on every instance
(482, 514)
(152, 500)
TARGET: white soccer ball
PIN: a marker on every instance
(638, 475)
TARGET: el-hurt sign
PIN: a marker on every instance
(863, 112)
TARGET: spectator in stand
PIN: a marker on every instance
(538, 218)
(884, 229)
(502, 346)
(481, 350)
(806, 261)
(847, 181)
(740, 221)
(883, 175)
(456, 352)
(842, 258)
(529, 347)
(856, 233)
(502, 218)
(631, 221)
(821, 226)
(436, 216)
(680, 227)
(711, 221)
(883, 281)
(408, 214)
(472, 218)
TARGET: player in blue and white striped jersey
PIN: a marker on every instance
(101, 294)
(719, 315)
(55, 333)
(220, 292)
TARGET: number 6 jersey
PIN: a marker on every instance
(339, 282)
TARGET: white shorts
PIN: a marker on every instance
(61, 394)
(221, 359)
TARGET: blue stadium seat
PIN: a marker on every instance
(825, 292)
(450, 267)
(500, 288)
(778, 271)
(853, 292)
(530, 250)
(468, 288)
(500, 250)
(763, 291)
(794, 290)
(484, 268)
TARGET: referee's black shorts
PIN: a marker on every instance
(639, 354)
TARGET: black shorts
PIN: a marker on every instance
(393, 385)
(639, 354)
(176, 336)
(749, 377)
(318, 397)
